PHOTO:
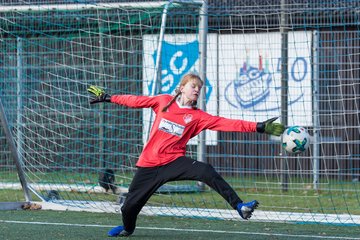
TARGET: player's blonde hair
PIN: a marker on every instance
(186, 78)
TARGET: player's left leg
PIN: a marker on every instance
(245, 210)
(185, 168)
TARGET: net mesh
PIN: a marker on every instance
(50, 57)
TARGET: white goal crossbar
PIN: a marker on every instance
(89, 6)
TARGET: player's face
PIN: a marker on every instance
(191, 91)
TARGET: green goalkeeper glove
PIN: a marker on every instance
(270, 127)
(100, 95)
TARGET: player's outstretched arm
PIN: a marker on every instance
(99, 94)
(270, 127)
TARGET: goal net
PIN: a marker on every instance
(73, 155)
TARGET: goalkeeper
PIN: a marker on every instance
(163, 157)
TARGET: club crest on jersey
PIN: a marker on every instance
(171, 127)
(187, 118)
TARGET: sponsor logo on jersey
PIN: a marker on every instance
(171, 127)
(187, 118)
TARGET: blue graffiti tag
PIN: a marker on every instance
(297, 75)
(176, 61)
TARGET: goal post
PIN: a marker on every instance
(51, 96)
(17, 160)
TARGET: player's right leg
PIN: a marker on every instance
(143, 185)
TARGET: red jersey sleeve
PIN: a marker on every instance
(216, 123)
(136, 101)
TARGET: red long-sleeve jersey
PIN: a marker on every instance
(174, 128)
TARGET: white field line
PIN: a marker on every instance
(185, 230)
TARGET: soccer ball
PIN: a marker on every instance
(295, 140)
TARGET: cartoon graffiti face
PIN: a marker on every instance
(251, 86)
